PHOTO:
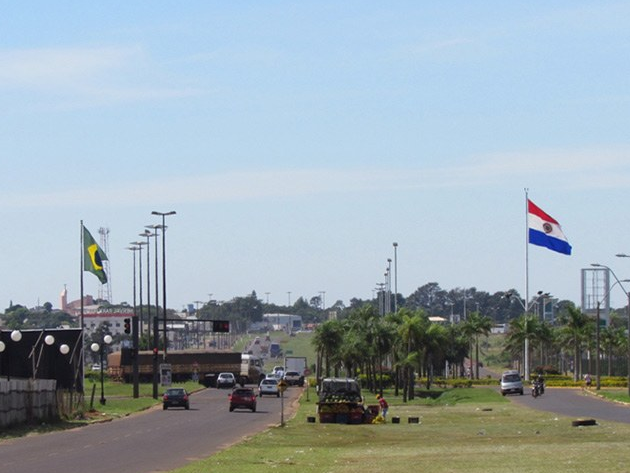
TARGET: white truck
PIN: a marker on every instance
(295, 370)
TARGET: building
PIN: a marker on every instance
(285, 322)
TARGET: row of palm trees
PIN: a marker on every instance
(403, 343)
(573, 337)
(407, 342)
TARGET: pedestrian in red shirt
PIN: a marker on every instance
(384, 406)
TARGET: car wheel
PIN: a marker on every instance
(260, 394)
(254, 409)
(231, 408)
(187, 407)
(277, 394)
(164, 407)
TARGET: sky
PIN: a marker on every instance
(297, 141)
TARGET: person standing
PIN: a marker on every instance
(384, 406)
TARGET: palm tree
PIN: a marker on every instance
(435, 349)
(522, 330)
(475, 326)
(612, 338)
(327, 340)
(411, 330)
(577, 328)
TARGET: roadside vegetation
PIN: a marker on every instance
(474, 430)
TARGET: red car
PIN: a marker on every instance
(243, 398)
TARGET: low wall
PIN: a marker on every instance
(27, 400)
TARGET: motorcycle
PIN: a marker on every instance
(538, 389)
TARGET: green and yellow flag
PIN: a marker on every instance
(93, 257)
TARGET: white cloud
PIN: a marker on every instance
(53, 67)
(83, 76)
(561, 169)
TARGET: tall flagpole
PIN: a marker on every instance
(526, 249)
(81, 272)
(82, 352)
(526, 305)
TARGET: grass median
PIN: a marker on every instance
(465, 430)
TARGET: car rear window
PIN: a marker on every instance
(269, 381)
(243, 392)
(511, 378)
(175, 392)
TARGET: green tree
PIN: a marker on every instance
(577, 329)
(327, 340)
(475, 326)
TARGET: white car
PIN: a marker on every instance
(268, 386)
(226, 380)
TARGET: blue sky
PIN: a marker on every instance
(298, 140)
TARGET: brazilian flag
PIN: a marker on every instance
(93, 257)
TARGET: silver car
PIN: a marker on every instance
(269, 386)
(226, 380)
(511, 383)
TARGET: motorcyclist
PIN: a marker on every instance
(540, 381)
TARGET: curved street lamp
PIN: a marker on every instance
(617, 281)
(623, 255)
(597, 327)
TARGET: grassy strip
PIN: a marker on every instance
(472, 430)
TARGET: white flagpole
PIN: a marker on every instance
(526, 305)
(526, 249)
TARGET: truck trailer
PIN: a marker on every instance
(188, 364)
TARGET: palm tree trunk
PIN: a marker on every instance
(476, 357)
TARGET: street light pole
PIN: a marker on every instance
(623, 255)
(597, 337)
(95, 347)
(148, 236)
(139, 244)
(164, 215)
(396, 277)
(154, 322)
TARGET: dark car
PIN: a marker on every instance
(243, 398)
(175, 397)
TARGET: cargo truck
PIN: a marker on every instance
(295, 370)
(188, 364)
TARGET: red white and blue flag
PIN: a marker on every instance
(545, 231)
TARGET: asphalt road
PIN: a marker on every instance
(151, 441)
(574, 402)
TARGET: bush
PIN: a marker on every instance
(546, 370)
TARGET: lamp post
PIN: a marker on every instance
(597, 339)
(623, 255)
(100, 348)
(396, 277)
(164, 215)
(156, 335)
(148, 235)
(388, 281)
(139, 245)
